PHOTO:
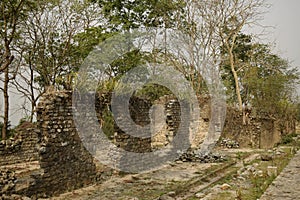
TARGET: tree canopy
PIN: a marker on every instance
(44, 43)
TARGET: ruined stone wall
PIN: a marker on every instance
(65, 163)
(161, 119)
(21, 148)
(139, 114)
(259, 133)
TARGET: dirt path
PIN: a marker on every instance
(179, 180)
(233, 179)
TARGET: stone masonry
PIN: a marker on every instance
(21, 148)
(65, 163)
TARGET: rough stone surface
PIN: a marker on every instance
(65, 163)
(7, 182)
(21, 148)
(228, 143)
(286, 186)
(259, 133)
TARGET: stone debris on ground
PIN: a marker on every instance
(286, 186)
(229, 143)
(196, 155)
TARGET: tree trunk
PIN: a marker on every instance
(236, 81)
(6, 104)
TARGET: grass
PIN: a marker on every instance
(260, 184)
(250, 189)
(253, 187)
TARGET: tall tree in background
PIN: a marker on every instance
(127, 14)
(269, 83)
(11, 15)
(48, 35)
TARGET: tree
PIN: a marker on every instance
(267, 81)
(127, 14)
(270, 83)
(12, 13)
(49, 37)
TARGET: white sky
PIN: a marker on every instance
(284, 17)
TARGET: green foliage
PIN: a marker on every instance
(241, 50)
(267, 81)
(127, 14)
(288, 139)
(85, 42)
(270, 83)
(125, 63)
(153, 92)
(297, 108)
(108, 124)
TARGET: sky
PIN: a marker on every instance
(284, 30)
(283, 22)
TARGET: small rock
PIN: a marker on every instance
(241, 178)
(272, 170)
(260, 173)
(225, 186)
(255, 164)
(172, 193)
(266, 157)
(166, 197)
(245, 174)
(200, 195)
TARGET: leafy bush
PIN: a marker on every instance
(287, 139)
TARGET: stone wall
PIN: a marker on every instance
(139, 110)
(259, 133)
(160, 118)
(65, 163)
(21, 148)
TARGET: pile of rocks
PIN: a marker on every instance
(195, 155)
(7, 181)
(228, 143)
(14, 197)
(249, 171)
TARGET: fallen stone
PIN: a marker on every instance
(266, 157)
(272, 170)
(225, 186)
(195, 155)
(200, 195)
(166, 197)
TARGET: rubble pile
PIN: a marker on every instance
(195, 155)
(228, 143)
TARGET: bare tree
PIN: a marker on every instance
(12, 13)
(48, 37)
(215, 24)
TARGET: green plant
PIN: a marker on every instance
(108, 123)
(288, 139)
